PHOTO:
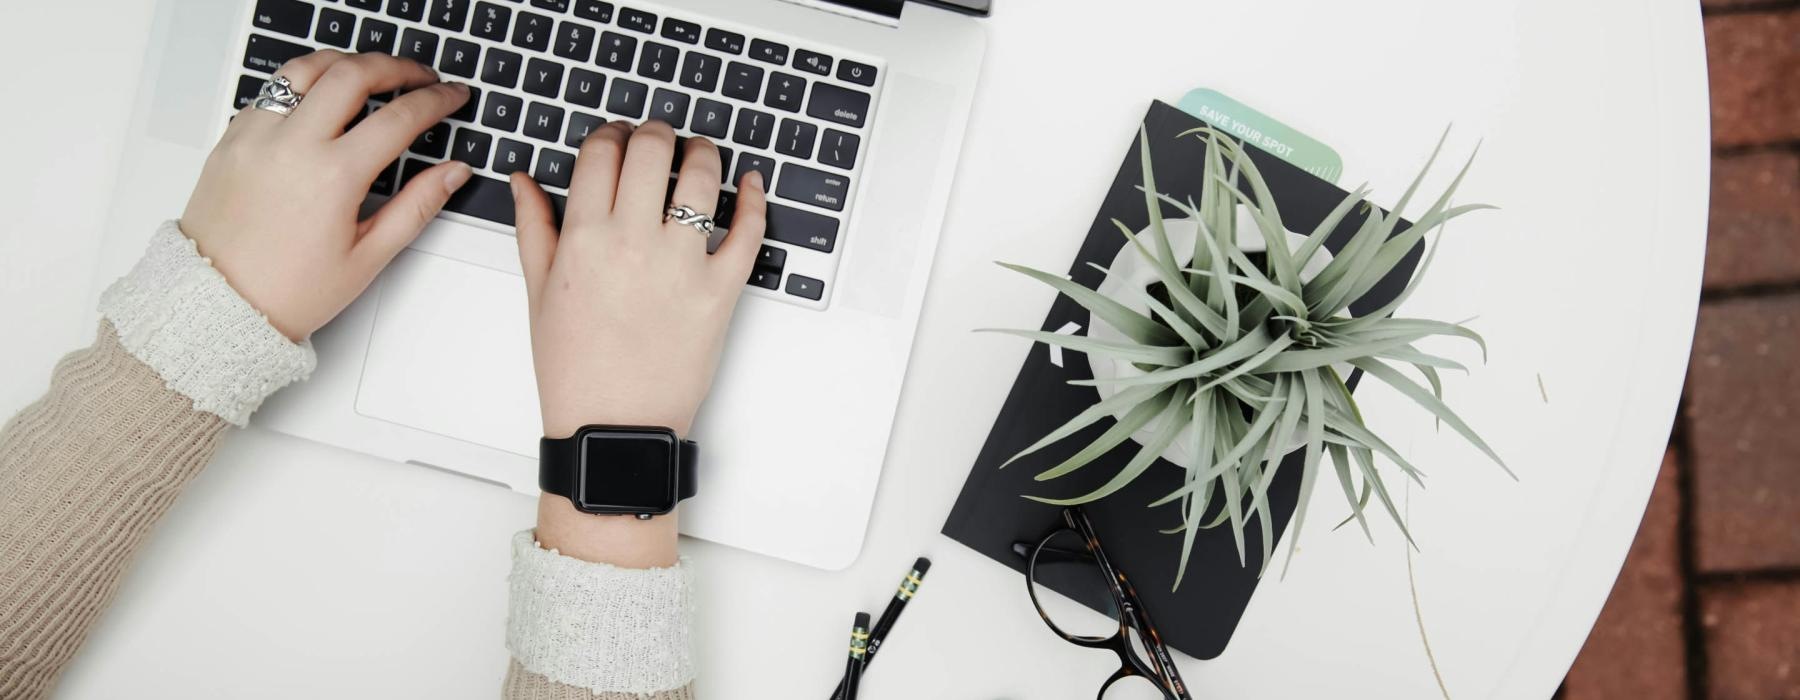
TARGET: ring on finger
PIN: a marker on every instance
(277, 95)
(688, 216)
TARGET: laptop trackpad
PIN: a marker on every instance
(451, 354)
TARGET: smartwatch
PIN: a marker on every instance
(619, 470)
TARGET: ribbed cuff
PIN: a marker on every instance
(178, 315)
(597, 626)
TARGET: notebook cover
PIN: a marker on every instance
(990, 514)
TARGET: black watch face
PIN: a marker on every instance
(624, 471)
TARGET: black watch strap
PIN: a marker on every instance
(559, 467)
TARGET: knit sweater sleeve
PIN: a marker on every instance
(84, 474)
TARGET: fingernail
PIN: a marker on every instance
(458, 175)
(755, 179)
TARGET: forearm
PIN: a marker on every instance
(85, 474)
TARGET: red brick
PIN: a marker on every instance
(1752, 640)
(1743, 396)
(1637, 650)
(1754, 63)
(1754, 233)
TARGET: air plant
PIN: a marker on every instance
(1252, 355)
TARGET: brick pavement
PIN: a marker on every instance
(1708, 604)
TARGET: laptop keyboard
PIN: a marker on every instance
(545, 73)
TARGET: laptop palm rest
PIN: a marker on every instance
(450, 353)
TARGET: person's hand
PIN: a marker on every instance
(628, 312)
(277, 203)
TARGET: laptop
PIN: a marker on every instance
(854, 111)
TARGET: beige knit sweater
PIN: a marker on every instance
(88, 470)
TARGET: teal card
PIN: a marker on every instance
(1261, 130)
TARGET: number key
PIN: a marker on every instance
(574, 41)
(532, 31)
(616, 51)
(700, 71)
(491, 21)
(658, 61)
(449, 14)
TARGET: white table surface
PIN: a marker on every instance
(293, 569)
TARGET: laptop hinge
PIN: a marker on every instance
(838, 7)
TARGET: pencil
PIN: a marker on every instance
(859, 645)
(909, 587)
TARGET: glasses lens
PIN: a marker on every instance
(1070, 590)
(1132, 688)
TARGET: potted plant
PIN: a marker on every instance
(1221, 342)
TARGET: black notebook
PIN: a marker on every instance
(991, 515)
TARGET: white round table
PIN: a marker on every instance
(296, 570)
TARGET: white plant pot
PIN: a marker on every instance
(1130, 271)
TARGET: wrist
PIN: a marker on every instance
(560, 424)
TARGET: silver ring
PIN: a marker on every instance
(277, 95)
(684, 214)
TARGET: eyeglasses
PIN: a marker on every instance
(1069, 559)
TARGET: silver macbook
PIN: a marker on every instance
(854, 111)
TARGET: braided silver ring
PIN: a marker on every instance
(277, 95)
(684, 214)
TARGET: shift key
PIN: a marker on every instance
(816, 187)
(801, 228)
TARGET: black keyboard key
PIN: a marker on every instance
(752, 161)
(616, 51)
(771, 257)
(512, 156)
(419, 46)
(743, 81)
(712, 118)
(594, 10)
(543, 122)
(767, 279)
(805, 287)
(841, 105)
(816, 187)
(682, 31)
(247, 90)
(785, 91)
(532, 31)
(387, 180)
(376, 36)
(700, 71)
(724, 41)
(628, 98)
(754, 129)
(267, 55)
(449, 14)
(724, 164)
(584, 88)
(637, 20)
(769, 51)
(659, 61)
(370, 5)
(812, 62)
(796, 139)
(290, 17)
(468, 110)
(575, 41)
(554, 168)
(859, 73)
(722, 212)
(501, 67)
(434, 142)
(543, 78)
(491, 21)
(838, 150)
(471, 146)
(551, 5)
(502, 112)
(484, 198)
(336, 28)
(670, 107)
(411, 10)
(460, 57)
(580, 125)
(802, 228)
